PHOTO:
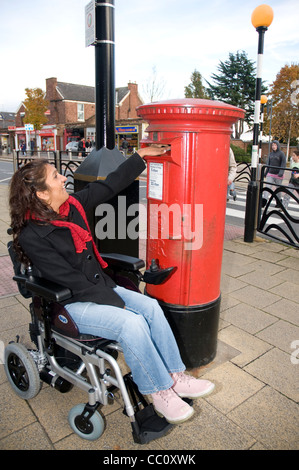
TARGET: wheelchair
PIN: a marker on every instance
(64, 358)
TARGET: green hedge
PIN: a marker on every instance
(240, 154)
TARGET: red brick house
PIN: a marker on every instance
(71, 115)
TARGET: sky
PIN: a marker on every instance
(46, 38)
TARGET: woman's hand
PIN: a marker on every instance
(153, 150)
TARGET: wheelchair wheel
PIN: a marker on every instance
(21, 371)
(91, 429)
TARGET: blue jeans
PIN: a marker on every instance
(231, 190)
(149, 347)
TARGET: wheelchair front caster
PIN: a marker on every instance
(86, 427)
(21, 371)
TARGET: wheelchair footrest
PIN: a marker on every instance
(149, 425)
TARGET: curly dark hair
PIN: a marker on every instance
(23, 201)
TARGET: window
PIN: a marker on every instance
(80, 112)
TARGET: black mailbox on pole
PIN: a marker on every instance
(105, 158)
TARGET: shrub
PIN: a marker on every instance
(240, 154)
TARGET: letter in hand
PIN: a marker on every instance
(153, 150)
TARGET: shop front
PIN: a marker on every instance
(44, 140)
(4, 143)
(47, 139)
(72, 134)
(127, 138)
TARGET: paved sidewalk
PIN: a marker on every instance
(256, 370)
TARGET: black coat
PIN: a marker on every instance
(52, 252)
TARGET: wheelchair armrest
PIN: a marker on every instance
(129, 263)
(47, 289)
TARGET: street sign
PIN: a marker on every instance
(128, 129)
(29, 127)
(90, 23)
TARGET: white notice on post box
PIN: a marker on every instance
(155, 189)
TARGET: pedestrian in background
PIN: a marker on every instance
(293, 185)
(276, 163)
(232, 172)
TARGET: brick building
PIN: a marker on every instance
(71, 116)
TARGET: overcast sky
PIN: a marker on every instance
(46, 38)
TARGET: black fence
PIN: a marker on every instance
(243, 172)
(65, 162)
(278, 212)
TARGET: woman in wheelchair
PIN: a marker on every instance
(50, 231)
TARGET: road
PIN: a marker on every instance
(6, 172)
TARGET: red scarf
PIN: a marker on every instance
(79, 234)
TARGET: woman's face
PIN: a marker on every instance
(56, 193)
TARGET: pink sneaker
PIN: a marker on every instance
(169, 405)
(188, 386)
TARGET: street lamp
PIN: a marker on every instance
(261, 18)
(264, 100)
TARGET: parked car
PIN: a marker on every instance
(72, 146)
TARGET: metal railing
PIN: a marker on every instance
(243, 172)
(276, 219)
(65, 162)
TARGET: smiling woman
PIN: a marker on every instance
(55, 194)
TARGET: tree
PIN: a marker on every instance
(195, 89)
(36, 105)
(154, 87)
(235, 85)
(284, 93)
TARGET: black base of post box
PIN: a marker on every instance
(195, 329)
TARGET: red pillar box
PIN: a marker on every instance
(186, 191)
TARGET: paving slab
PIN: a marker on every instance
(290, 262)
(288, 275)
(31, 437)
(280, 334)
(249, 346)
(276, 369)
(258, 279)
(248, 318)
(285, 309)
(233, 386)
(13, 418)
(287, 290)
(229, 284)
(208, 430)
(255, 296)
(270, 418)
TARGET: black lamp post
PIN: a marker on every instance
(105, 74)
(261, 18)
